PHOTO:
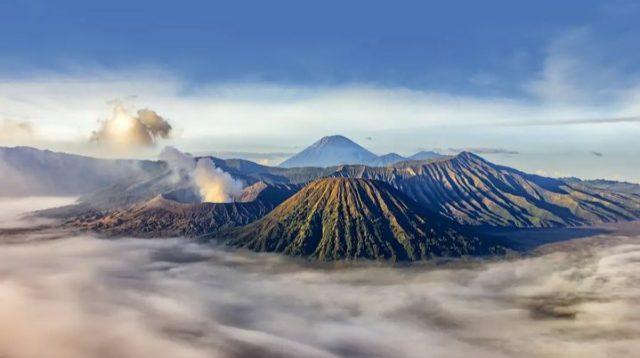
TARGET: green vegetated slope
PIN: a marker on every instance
(347, 218)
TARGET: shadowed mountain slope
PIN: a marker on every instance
(346, 218)
(611, 185)
(471, 190)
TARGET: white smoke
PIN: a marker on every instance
(214, 184)
(181, 164)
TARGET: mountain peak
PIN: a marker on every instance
(469, 156)
(334, 139)
(349, 218)
(330, 151)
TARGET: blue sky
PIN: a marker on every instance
(473, 46)
(272, 76)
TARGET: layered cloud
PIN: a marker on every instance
(85, 297)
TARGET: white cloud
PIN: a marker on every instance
(263, 117)
(73, 105)
(86, 297)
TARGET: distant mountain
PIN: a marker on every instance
(385, 160)
(618, 186)
(29, 171)
(346, 218)
(329, 151)
(425, 155)
(339, 150)
(471, 190)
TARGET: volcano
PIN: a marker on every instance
(329, 151)
(182, 213)
(347, 218)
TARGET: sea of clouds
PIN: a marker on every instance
(80, 296)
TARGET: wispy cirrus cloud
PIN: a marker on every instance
(579, 69)
(483, 150)
(568, 122)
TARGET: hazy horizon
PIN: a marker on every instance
(548, 88)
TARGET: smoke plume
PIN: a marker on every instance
(124, 130)
(181, 164)
(214, 184)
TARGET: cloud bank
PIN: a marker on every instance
(85, 297)
(81, 297)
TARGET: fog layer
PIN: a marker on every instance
(14, 212)
(85, 297)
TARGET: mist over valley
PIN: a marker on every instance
(79, 296)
